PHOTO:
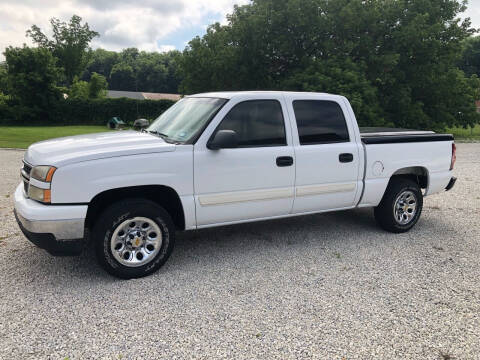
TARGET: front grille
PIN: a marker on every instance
(25, 175)
(25, 187)
(27, 168)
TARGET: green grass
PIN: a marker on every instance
(23, 136)
(466, 134)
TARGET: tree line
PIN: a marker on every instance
(134, 70)
(407, 63)
(397, 61)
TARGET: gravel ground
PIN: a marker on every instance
(330, 286)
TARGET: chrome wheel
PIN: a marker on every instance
(405, 207)
(135, 242)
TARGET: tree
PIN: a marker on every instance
(344, 77)
(3, 77)
(129, 56)
(150, 71)
(122, 77)
(153, 71)
(70, 44)
(395, 59)
(101, 62)
(212, 63)
(97, 87)
(5, 109)
(174, 77)
(79, 89)
(32, 76)
(425, 89)
(470, 60)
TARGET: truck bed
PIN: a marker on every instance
(379, 135)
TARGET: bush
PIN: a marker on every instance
(88, 112)
(5, 110)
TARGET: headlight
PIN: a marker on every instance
(43, 173)
(43, 195)
(41, 192)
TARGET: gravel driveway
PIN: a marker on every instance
(330, 286)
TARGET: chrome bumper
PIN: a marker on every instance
(60, 229)
(64, 222)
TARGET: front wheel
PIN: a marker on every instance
(133, 238)
(400, 207)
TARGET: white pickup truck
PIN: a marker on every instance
(222, 158)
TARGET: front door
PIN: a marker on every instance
(253, 180)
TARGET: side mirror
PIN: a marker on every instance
(223, 139)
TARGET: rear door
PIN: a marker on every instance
(327, 154)
(254, 180)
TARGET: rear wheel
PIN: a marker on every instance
(400, 207)
(133, 238)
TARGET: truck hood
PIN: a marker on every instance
(72, 149)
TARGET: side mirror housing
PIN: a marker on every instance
(223, 139)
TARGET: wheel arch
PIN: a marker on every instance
(417, 174)
(164, 196)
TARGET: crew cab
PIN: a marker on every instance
(222, 158)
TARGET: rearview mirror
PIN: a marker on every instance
(223, 139)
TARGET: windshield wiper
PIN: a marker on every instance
(155, 132)
(163, 136)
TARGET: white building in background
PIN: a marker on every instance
(142, 95)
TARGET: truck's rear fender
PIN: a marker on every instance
(375, 188)
(165, 196)
(427, 162)
(417, 174)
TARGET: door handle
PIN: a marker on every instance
(346, 157)
(283, 161)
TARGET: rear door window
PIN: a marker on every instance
(320, 122)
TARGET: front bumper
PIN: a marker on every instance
(48, 241)
(59, 229)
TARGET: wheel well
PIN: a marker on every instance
(163, 195)
(417, 174)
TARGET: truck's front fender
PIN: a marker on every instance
(81, 182)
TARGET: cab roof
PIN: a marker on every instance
(232, 94)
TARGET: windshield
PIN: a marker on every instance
(184, 120)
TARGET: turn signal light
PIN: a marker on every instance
(42, 195)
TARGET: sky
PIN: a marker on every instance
(151, 25)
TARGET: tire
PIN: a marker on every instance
(133, 238)
(394, 213)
